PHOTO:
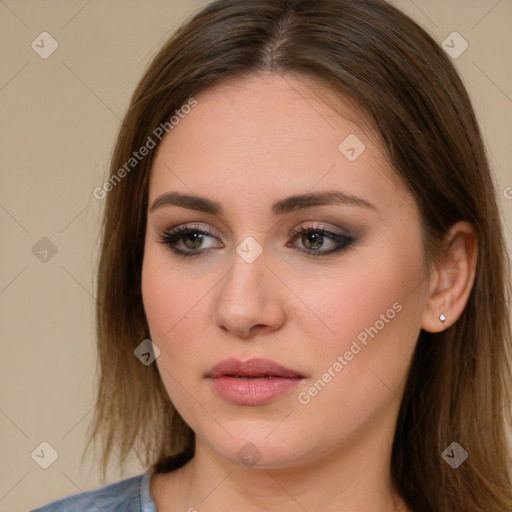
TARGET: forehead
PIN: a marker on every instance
(269, 136)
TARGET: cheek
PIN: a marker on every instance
(166, 300)
(357, 382)
(168, 294)
(373, 316)
(175, 308)
(366, 297)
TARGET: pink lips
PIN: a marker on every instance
(252, 382)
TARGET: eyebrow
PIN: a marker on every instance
(280, 207)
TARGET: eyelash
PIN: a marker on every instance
(173, 236)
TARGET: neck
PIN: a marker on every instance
(352, 478)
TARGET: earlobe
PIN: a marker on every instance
(452, 279)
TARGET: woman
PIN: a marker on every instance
(302, 293)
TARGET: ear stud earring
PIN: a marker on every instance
(442, 317)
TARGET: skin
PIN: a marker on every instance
(248, 143)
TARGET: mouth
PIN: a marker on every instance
(252, 382)
(252, 369)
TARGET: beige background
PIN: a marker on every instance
(59, 119)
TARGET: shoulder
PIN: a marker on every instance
(129, 495)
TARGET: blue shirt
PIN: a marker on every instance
(129, 495)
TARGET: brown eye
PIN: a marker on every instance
(314, 238)
(193, 240)
(187, 241)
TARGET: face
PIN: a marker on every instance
(285, 325)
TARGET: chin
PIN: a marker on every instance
(252, 446)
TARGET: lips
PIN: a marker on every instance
(253, 368)
(253, 382)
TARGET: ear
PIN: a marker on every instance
(452, 278)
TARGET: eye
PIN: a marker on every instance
(192, 238)
(319, 241)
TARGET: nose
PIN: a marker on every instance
(250, 299)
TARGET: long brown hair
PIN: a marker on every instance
(374, 55)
